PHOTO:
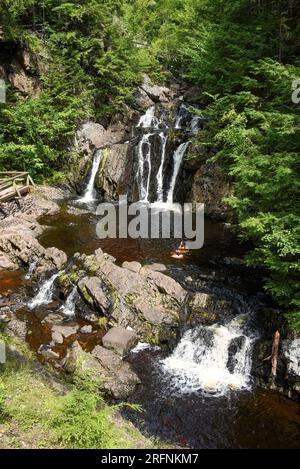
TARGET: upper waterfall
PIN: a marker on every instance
(160, 153)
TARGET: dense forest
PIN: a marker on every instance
(242, 58)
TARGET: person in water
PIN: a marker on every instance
(182, 249)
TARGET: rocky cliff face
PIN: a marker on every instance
(200, 182)
(18, 67)
(209, 185)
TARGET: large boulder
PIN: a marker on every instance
(207, 309)
(113, 376)
(116, 173)
(120, 340)
(150, 302)
(20, 247)
(155, 93)
(93, 136)
(93, 291)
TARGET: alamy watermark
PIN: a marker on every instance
(2, 91)
(296, 91)
(146, 221)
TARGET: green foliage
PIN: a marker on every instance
(85, 65)
(3, 406)
(57, 415)
(80, 422)
(103, 322)
(244, 55)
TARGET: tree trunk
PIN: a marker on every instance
(274, 355)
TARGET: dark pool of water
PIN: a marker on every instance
(10, 281)
(246, 419)
(77, 233)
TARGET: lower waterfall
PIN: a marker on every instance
(45, 292)
(214, 359)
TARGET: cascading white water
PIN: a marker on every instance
(69, 307)
(178, 122)
(214, 359)
(177, 160)
(90, 193)
(44, 295)
(148, 158)
(31, 269)
(149, 120)
(144, 169)
(159, 176)
(194, 125)
(179, 117)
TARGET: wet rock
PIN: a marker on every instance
(115, 176)
(57, 337)
(119, 379)
(234, 348)
(270, 320)
(77, 211)
(22, 248)
(207, 309)
(102, 256)
(120, 340)
(107, 369)
(147, 301)
(57, 257)
(86, 329)
(92, 290)
(157, 315)
(64, 331)
(291, 354)
(47, 352)
(49, 318)
(288, 368)
(142, 100)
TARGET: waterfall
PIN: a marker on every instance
(148, 120)
(44, 295)
(144, 164)
(177, 160)
(159, 176)
(194, 125)
(214, 359)
(69, 307)
(180, 115)
(31, 269)
(153, 155)
(90, 193)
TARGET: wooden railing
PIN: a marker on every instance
(13, 185)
